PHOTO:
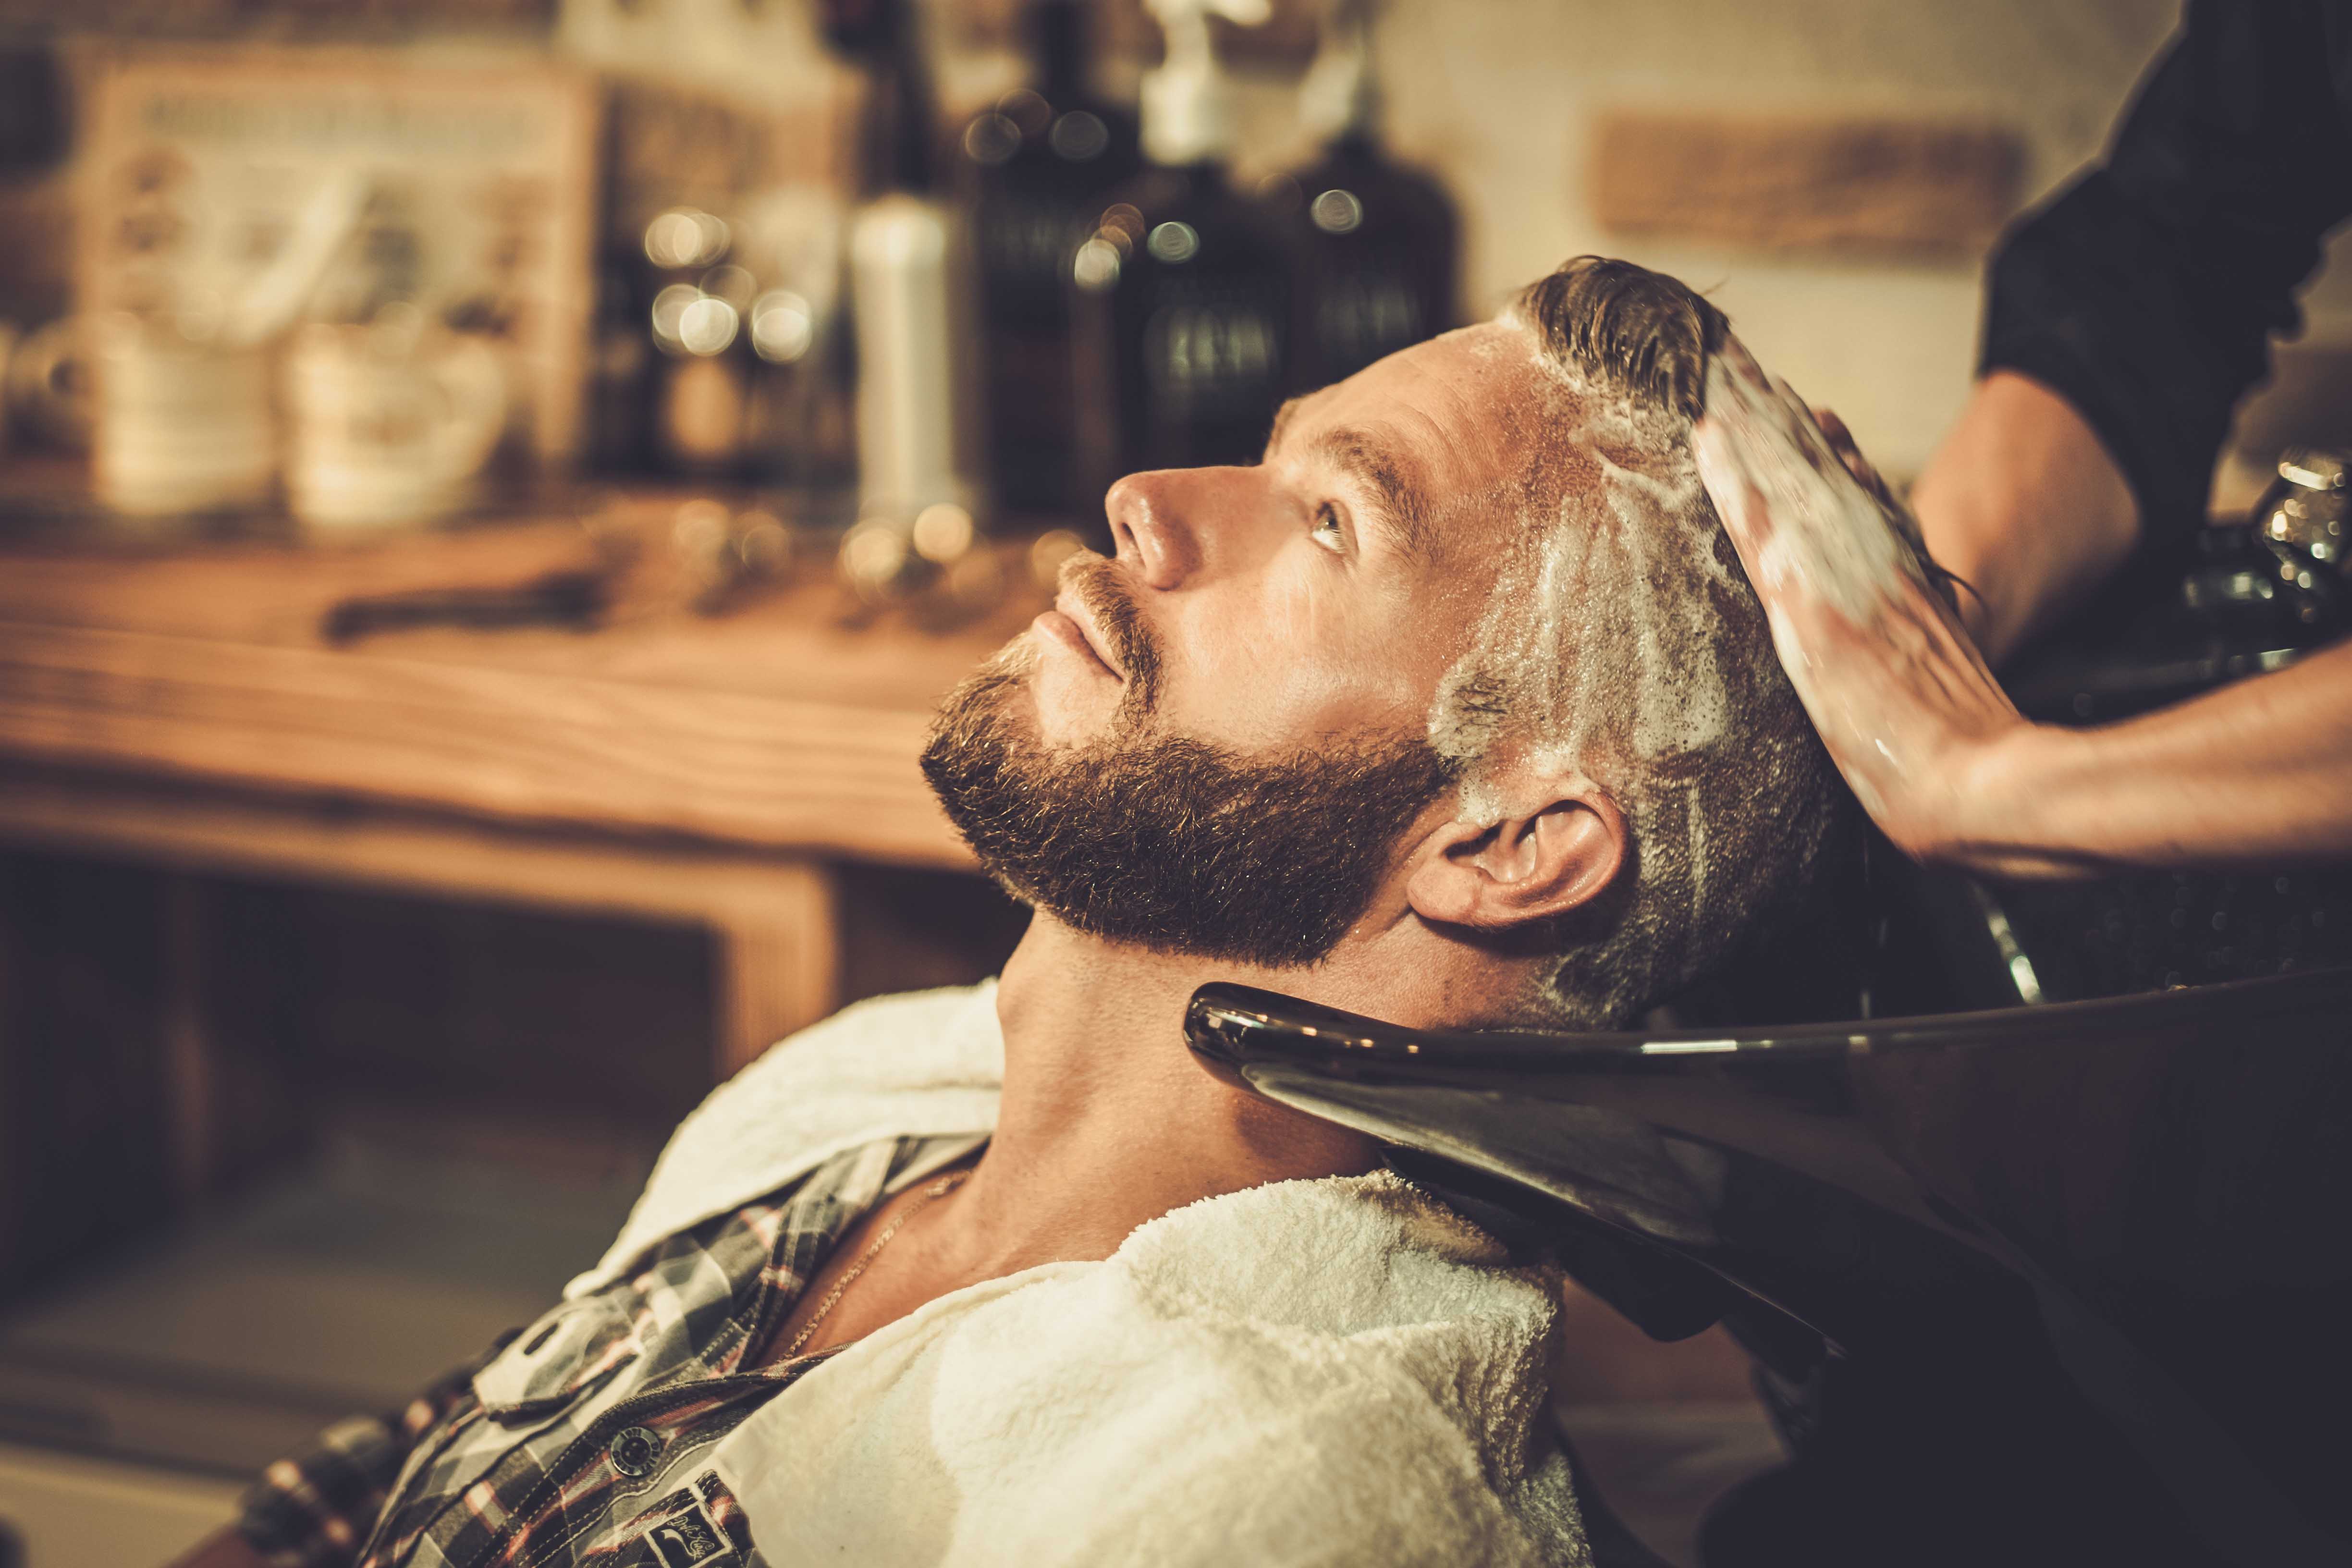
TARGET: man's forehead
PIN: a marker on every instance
(1451, 374)
(1429, 428)
(1471, 393)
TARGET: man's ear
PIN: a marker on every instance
(1553, 849)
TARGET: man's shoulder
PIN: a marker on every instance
(1354, 1311)
(1346, 1293)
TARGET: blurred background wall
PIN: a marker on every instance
(1508, 97)
(1507, 100)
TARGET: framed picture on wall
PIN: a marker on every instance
(268, 182)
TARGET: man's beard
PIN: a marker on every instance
(1168, 843)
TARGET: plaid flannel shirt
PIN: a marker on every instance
(585, 1438)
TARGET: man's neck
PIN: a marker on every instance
(1107, 1120)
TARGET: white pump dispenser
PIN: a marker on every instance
(1340, 94)
(1187, 103)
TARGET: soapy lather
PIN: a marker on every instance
(1858, 613)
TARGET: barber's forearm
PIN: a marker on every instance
(2024, 502)
(2257, 773)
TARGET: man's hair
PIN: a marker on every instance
(1621, 638)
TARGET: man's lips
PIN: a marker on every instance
(1073, 630)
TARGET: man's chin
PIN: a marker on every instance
(1168, 844)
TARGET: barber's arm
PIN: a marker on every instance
(2257, 773)
(2254, 773)
(2022, 504)
(2126, 317)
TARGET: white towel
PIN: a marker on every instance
(1328, 1371)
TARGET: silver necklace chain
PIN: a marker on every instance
(931, 1194)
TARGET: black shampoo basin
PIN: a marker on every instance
(2063, 1279)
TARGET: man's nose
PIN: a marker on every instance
(1156, 525)
(1172, 526)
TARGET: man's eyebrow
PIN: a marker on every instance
(1374, 465)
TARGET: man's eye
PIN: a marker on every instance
(1328, 532)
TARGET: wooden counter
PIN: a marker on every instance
(184, 706)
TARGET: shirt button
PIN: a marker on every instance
(634, 1451)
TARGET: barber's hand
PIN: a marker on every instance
(1900, 695)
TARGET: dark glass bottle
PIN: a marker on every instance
(1378, 242)
(1033, 173)
(800, 434)
(1181, 296)
(1183, 304)
(620, 368)
(1378, 248)
(701, 371)
(1182, 309)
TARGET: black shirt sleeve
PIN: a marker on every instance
(2145, 292)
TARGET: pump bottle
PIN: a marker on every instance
(1378, 241)
(1181, 294)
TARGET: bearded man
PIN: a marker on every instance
(1454, 710)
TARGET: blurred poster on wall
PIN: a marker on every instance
(263, 186)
